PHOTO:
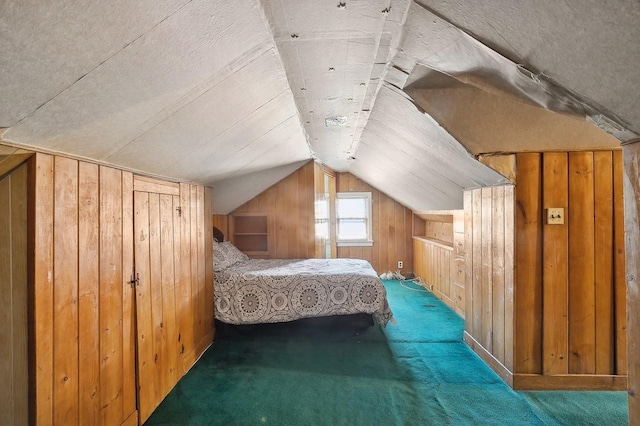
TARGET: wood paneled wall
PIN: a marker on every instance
(81, 238)
(631, 153)
(570, 277)
(14, 372)
(439, 256)
(564, 291)
(291, 205)
(392, 229)
(489, 284)
(82, 306)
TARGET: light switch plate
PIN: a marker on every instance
(555, 216)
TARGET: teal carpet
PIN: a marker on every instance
(341, 371)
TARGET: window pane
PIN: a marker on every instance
(352, 207)
(352, 229)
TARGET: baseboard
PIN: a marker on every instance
(519, 381)
(489, 359)
(576, 382)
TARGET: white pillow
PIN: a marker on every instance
(226, 254)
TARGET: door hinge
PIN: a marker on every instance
(135, 281)
(179, 210)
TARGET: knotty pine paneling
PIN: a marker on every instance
(391, 226)
(290, 204)
(562, 284)
(82, 358)
(14, 374)
(488, 246)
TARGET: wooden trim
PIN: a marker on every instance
(489, 359)
(631, 159)
(12, 161)
(574, 382)
(440, 243)
(40, 243)
(147, 184)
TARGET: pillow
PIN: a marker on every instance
(226, 254)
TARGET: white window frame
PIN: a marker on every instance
(368, 241)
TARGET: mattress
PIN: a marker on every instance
(256, 291)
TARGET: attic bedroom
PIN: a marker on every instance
(480, 157)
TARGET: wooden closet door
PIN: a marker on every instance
(155, 226)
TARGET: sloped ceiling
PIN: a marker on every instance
(236, 95)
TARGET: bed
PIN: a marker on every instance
(254, 291)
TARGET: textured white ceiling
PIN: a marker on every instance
(236, 94)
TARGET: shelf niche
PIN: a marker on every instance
(250, 233)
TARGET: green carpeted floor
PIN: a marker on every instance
(341, 371)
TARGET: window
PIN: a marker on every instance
(353, 217)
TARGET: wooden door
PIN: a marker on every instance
(159, 348)
(82, 362)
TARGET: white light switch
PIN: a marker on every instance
(555, 216)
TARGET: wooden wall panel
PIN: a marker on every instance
(89, 293)
(488, 218)
(41, 201)
(128, 303)
(497, 272)
(81, 303)
(221, 221)
(392, 225)
(603, 263)
(619, 275)
(555, 357)
(14, 374)
(563, 313)
(528, 265)
(291, 205)
(581, 264)
(65, 294)
(110, 305)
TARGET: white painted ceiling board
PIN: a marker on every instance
(104, 110)
(64, 40)
(201, 123)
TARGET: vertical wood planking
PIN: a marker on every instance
(201, 283)
(528, 266)
(128, 295)
(65, 297)
(468, 270)
(497, 271)
(110, 304)
(41, 243)
(155, 288)
(193, 302)
(476, 277)
(89, 294)
(19, 272)
(555, 357)
(486, 273)
(143, 307)
(7, 401)
(208, 264)
(185, 312)
(169, 351)
(509, 278)
(603, 251)
(581, 264)
(620, 279)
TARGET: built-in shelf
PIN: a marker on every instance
(249, 232)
